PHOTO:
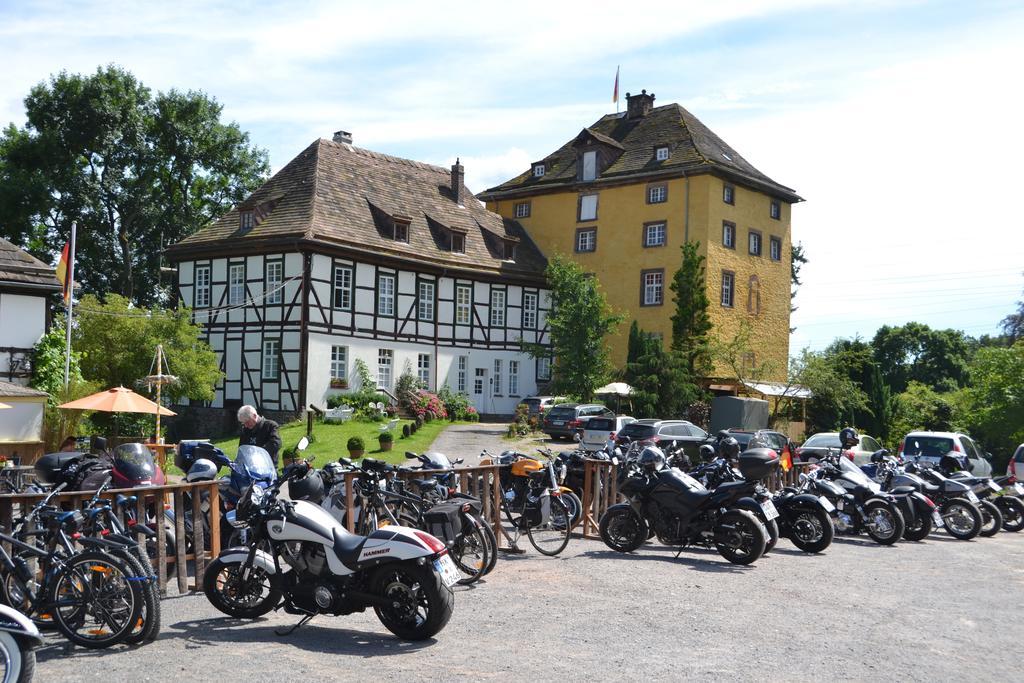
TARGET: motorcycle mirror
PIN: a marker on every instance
(577, 437)
(303, 444)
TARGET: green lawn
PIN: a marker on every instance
(329, 440)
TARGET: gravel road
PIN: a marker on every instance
(936, 610)
(467, 441)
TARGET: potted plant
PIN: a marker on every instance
(387, 440)
(339, 383)
(356, 447)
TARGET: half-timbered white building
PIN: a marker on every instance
(348, 254)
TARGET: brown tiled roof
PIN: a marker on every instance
(19, 268)
(342, 195)
(11, 390)
(693, 148)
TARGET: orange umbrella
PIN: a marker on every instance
(117, 400)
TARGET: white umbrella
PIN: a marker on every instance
(616, 388)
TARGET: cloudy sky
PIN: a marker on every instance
(899, 122)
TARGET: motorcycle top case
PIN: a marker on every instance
(758, 463)
(190, 450)
(443, 521)
(49, 466)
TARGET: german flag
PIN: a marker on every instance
(787, 459)
(64, 271)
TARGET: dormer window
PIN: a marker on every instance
(401, 231)
(510, 251)
(589, 166)
(539, 170)
(458, 243)
(661, 153)
(245, 221)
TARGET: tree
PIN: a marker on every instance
(137, 171)
(579, 322)
(118, 341)
(916, 353)
(690, 322)
(1013, 324)
(994, 403)
(737, 354)
(797, 260)
(835, 397)
(921, 407)
(48, 375)
(881, 408)
(635, 345)
(662, 386)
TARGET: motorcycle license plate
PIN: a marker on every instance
(768, 508)
(995, 487)
(972, 497)
(937, 518)
(447, 569)
(1019, 488)
(826, 503)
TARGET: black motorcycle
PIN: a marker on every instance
(990, 493)
(863, 507)
(805, 513)
(681, 512)
(756, 498)
(919, 512)
(961, 508)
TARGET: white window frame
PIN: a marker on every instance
(729, 194)
(522, 210)
(661, 153)
(728, 289)
(657, 194)
(654, 288)
(246, 220)
(271, 369)
(513, 378)
(586, 240)
(588, 207)
(236, 284)
(497, 308)
(543, 368)
(479, 375)
(775, 248)
(202, 286)
(530, 310)
(754, 244)
(459, 248)
(729, 235)
(460, 374)
(385, 362)
(660, 233)
(339, 362)
(496, 385)
(463, 305)
(775, 210)
(272, 282)
(343, 276)
(538, 170)
(425, 309)
(589, 161)
(386, 294)
(423, 369)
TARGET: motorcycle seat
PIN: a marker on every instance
(423, 483)
(347, 546)
(929, 487)
(898, 490)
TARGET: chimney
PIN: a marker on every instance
(343, 136)
(638, 106)
(458, 177)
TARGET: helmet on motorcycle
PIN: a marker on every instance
(729, 448)
(309, 487)
(201, 470)
(707, 452)
(651, 459)
(848, 437)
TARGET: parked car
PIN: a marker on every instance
(567, 419)
(666, 434)
(1015, 468)
(538, 405)
(816, 446)
(599, 429)
(777, 441)
(931, 446)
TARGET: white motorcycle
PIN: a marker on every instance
(19, 637)
(303, 560)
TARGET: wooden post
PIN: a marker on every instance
(214, 519)
(588, 494)
(198, 535)
(496, 494)
(161, 542)
(182, 540)
(350, 507)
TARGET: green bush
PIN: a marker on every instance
(406, 431)
(413, 427)
(457, 405)
(386, 437)
(356, 443)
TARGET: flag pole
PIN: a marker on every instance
(69, 302)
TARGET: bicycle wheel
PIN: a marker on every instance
(147, 626)
(24, 595)
(94, 602)
(551, 537)
(471, 551)
(492, 545)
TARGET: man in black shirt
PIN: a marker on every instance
(259, 431)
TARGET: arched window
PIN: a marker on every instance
(754, 296)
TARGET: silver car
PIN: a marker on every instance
(931, 446)
(599, 430)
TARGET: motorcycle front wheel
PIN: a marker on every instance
(991, 518)
(811, 530)
(235, 597)
(622, 530)
(1013, 513)
(743, 537)
(918, 528)
(884, 523)
(16, 665)
(961, 519)
(420, 604)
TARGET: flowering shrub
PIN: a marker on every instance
(427, 402)
(457, 406)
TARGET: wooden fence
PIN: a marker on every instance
(149, 499)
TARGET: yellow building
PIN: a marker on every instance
(625, 194)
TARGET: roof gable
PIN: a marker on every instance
(18, 267)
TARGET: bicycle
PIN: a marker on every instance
(532, 503)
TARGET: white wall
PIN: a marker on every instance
(22, 323)
(22, 422)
